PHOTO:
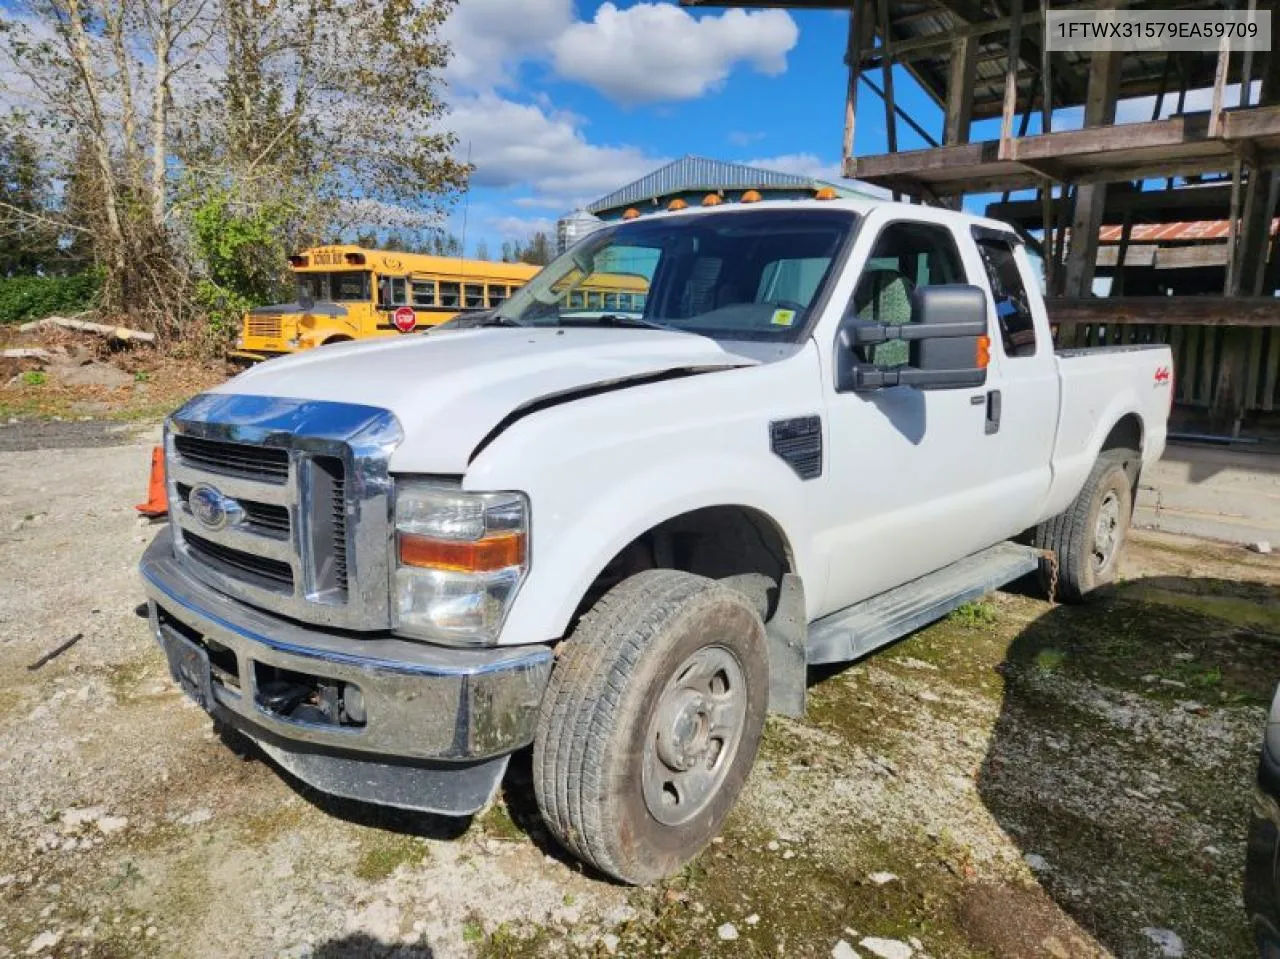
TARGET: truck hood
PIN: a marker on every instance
(451, 390)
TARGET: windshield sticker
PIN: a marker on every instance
(783, 317)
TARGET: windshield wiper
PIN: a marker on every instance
(618, 319)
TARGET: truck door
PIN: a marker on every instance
(1022, 431)
(917, 480)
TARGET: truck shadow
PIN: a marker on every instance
(361, 946)
(1123, 755)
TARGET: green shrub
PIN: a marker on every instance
(24, 298)
(34, 378)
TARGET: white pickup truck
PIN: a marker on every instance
(621, 535)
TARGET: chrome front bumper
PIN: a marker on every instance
(428, 710)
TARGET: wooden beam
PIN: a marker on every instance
(960, 86)
(1099, 110)
(1250, 311)
(902, 114)
(854, 64)
(1011, 81)
(890, 118)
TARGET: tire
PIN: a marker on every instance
(623, 699)
(1087, 559)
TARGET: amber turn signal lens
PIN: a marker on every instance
(984, 352)
(472, 556)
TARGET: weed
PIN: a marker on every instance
(472, 931)
(34, 378)
(142, 376)
(386, 855)
(1050, 660)
(975, 615)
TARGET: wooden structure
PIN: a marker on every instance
(987, 59)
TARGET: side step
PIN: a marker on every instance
(863, 627)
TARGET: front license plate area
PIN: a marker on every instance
(189, 666)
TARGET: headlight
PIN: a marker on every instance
(460, 557)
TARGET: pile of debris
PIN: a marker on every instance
(69, 351)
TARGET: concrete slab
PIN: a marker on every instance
(1213, 492)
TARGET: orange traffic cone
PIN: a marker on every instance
(157, 503)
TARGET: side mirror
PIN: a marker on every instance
(947, 340)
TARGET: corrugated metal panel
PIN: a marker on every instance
(700, 173)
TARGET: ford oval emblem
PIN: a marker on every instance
(212, 510)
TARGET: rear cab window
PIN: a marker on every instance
(1008, 291)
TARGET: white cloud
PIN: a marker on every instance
(519, 144)
(808, 164)
(802, 164)
(657, 51)
(520, 228)
(489, 37)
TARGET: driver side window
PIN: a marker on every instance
(906, 256)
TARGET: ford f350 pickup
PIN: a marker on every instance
(622, 536)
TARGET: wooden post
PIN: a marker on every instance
(853, 59)
(1046, 126)
(886, 65)
(1011, 81)
(1219, 86)
(1091, 198)
(960, 84)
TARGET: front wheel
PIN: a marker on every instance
(651, 723)
(1088, 537)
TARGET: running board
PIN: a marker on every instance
(853, 632)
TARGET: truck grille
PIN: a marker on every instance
(269, 464)
(270, 518)
(269, 573)
(268, 327)
(307, 521)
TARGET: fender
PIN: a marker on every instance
(1071, 467)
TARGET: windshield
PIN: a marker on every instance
(730, 274)
(348, 286)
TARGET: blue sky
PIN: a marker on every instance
(601, 93)
(558, 103)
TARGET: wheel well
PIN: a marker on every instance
(717, 542)
(1125, 435)
(340, 338)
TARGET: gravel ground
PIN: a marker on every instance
(1018, 780)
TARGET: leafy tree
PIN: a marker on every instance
(540, 250)
(29, 234)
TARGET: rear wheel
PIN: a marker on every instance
(1088, 537)
(651, 723)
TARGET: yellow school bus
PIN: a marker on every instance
(351, 293)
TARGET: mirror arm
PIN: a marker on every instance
(871, 334)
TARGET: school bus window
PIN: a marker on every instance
(638, 301)
(424, 293)
(392, 291)
(474, 295)
(575, 299)
(497, 295)
(450, 295)
(611, 301)
(624, 301)
(593, 300)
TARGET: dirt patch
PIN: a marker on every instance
(1017, 780)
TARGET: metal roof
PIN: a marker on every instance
(700, 173)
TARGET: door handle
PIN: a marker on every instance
(993, 412)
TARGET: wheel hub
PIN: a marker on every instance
(682, 729)
(1106, 532)
(694, 735)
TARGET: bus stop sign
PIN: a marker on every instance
(405, 319)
